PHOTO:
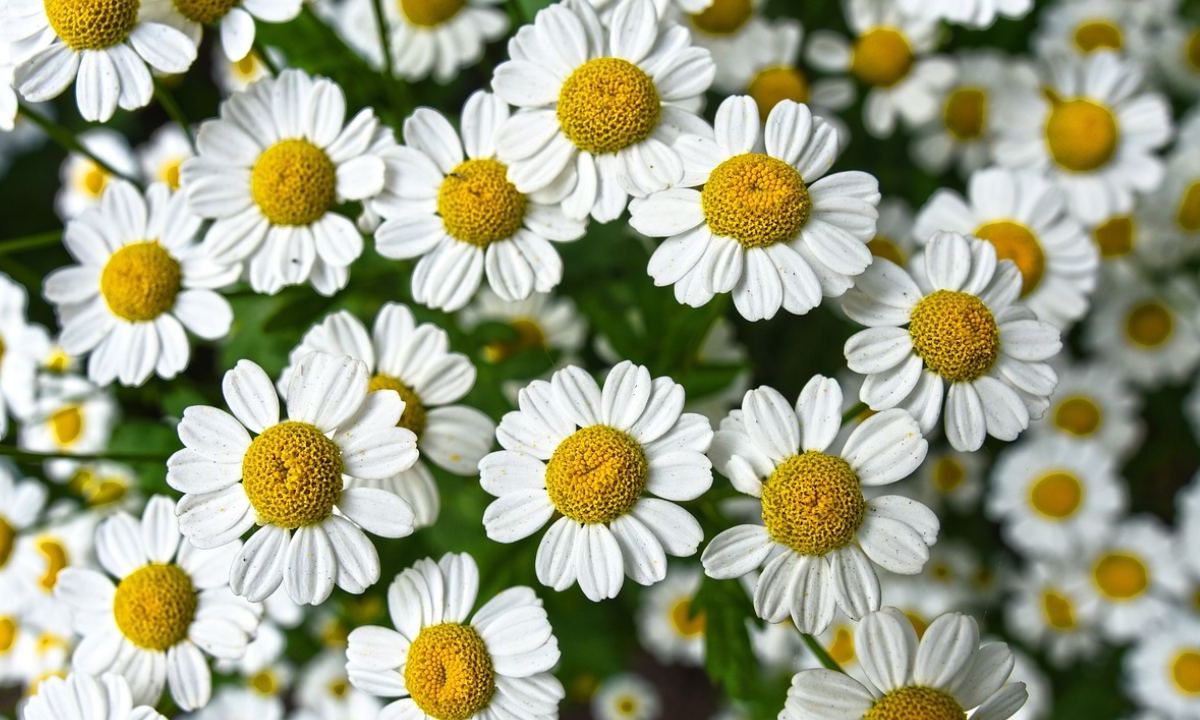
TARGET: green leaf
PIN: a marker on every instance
(728, 656)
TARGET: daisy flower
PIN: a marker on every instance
(923, 598)
(233, 18)
(888, 56)
(1093, 131)
(105, 485)
(820, 554)
(414, 361)
(71, 416)
(270, 172)
(1175, 206)
(1093, 402)
(324, 692)
(163, 154)
(941, 677)
(972, 13)
(778, 76)
(541, 323)
(1140, 238)
(626, 697)
(1163, 670)
(81, 181)
(599, 107)
(296, 478)
(141, 279)
(1149, 334)
(756, 217)
(80, 696)
(1049, 608)
(1176, 51)
(955, 324)
(21, 502)
(454, 208)
(104, 46)
(170, 605)
(597, 457)
(668, 624)
(949, 478)
(443, 662)
(893, 232)
(18, 353)
(1083, 28)
(737, 35)
(236, 76)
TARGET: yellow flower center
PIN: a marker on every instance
(1015, 241)
(687, 623)
(918, 621)
(841, 649)
(882, 246)
(1185, 671)
(775, 84)
(154, 606)
(1191, 51)
(247, 67)
(292, 474)
(1078, 415)
(955, 334)
(97, 489)
(627, 705)
(1082, 135)
(882, 57)
(264, 682)
(168, 172)
(93, 179)
(204, 11)
(1098, 35)
(92, 24)
(1120, 576)
(1114, 237)
(1058, 611)
(413, 418)
(338, 687)
(1056, 495)
(1149, 324)
(527, 335)
(8, 634)
(430, 13)
(608, 104)
(66, 425)
(478, 204)
(449, 672)
(55, 554)
(1188, 215)
(723, 17)
(965, 113)
(916, 703)
(8, 538)
(596, 474)
(813, 503)
(293, 182)
(140, 281)
(755, 199)
(948, 475)
(58, 362)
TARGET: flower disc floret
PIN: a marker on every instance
(916, 703)
(92, 24)
(140, 281)
(608, 104)
(882, 57)
(414, 416)
(1120, 576)
(154, 606)
(292, 475)
(1078, 415)
(449, 672)
(1082, 135)
(293, 182)
(1056, 495)
(478, 204)
(1149, 324)
(955, 334)
(596, 474)
(755, 199)
(813, 503)
(1098, 35)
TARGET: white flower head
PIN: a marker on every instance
(626, 696)
(669, 625)
(1049, 607)
(72, 416)
(1163, 670)
(161, 157)
(83, 696)
(82, 181)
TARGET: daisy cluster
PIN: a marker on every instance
(512, 359)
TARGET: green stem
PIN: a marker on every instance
(385, 43)
(855, 410)
(167, 101)
(67, 140)
(30, 242)
(821, 654)
(260, 51)
(31, 456)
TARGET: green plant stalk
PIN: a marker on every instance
(821, 654)
(30, 242)
(167, 101)
(260, 51)
(32, 456)
(67, 140)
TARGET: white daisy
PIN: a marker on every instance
(18, 354)
(1093, 402)
(462, 217)
(669, 625)
(955, 324)
(71, 416)
(949, 478)
(236, 76)
(822, 538)
(1163, 671)
(324, 692)
(1148, 334)
(599, 107)
(779, 76)
(765, 225)
(81, 181)
(972, 13)
(1083, 28)
(597, 457)
(295, 478)
(105, 485)
(1175, 206)
(737, 35)
(445, 663)
(163, 154)
(626, 697)
(82, 697)
(1049, 608)
(542, 323)
(1176, 51)
(235, 19)
(272, 169)
(40, 561)
(21, 502)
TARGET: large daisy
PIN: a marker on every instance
(821, 538)
(19, 353)
(597, 457)
(599, 107)
(83, 697)
(295, 477)
(756, 217)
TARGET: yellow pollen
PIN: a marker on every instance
(66, 425)
(1188, 215)
(56, 557)
(154, 606)
(882, 57)
(527, 335)
(948, 475)
(264, 682)
(755, 199)
(141, 281)
(430, 13)
(955, 334)
(1114, 236)
(168, 172)
(1094, 35)
(293, 182)
(1149, 324)
(292, 474)
(449, 672)
(246, 67)
(965, 113)
(1015, 241)
(915, 702)
(92, 24)
(773, 85)
(1185, 671)
(8, 537)
(596, 474)
(1082, 135)
(841, 649)
(813, 503)
(93, 179)
(8, 634)
(413, 418)
(686, 623)
(97, 489)
(608, 104)
(1056, 495)
(58, 362)
(1191, 51)
(882, 246)
(478, 204)
(1120, 576)
(723, 17)
(1058, 610)
(1078, 415)
(205, 11)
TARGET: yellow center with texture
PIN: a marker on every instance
(1149, 324)
(154, 606)
(527, 334)
(916, 703)
(430, 13)
(955, 334)
(608, 104)
(293, 182)
(92, 24)
(140, 281)
(723, 17)
(449, 672)
(882, 57)
(1096, 35)
(773, 85)
(1120, 576)
(413, 418)
(755, 199)
(1185, 671)
(1015, 241)
(596, 474)
(1082, 135)
(965, 113)
(205, 11)
(1056, 495)
(478, 204)
(813, 503)
(1078, 415)
(292, 474)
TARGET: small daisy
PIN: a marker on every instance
(923, 598)
(21, 502)
(737, 35)
(1176, 51)
(972, 13)
(597, 458)
(271, 171)
(894, 232)
(18, 354)
(444, 663)
(1093, 402)
(324, 692)
(83, 182)
(1140, 238)
(82, 697)
(462, 217)
(105, 485)
(599, 107)
(40, 561)
(236, 76)
(1175, 206)
(235, 19)
(626, 697)
(169, 607)
(765, 225)
(949, 478)
(778, 76)
(818, 554)
(959, 326)
(71, 416)
(1148, 334)
(669, 626)
(163, 154)
(1083, 28)
(414, 361)
(941, 677)
(1163, 670)
(291, 478)
(1050, 608)
(541, 323)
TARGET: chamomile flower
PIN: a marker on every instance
(925, 597)
(541, 323)
(1176, 51)
(737, 35)
(454, 208)
(71, 416)
(233, 19)
(271, 170)
(18, 353)
(626, 697)
(1176, 205)
(1093, 402)
(324, 692)
(598, 458)
(169, 607)
(83, 697)
(821, 538)
(765, 225)
(236, 76)
(1084, 28)
(414, 361)
(82, 181)
(163, 154)
(1163, 670)
(778, 76)
(1138, 238)
(949, 478)
(599, 107)
(973, 13)
(943, 676)
(669, 625)
(445, 663)
(21, 503)
(296, 478)
(1149, 334)
(957, 324)
(105, 485)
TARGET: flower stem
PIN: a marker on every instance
(32, 456)
(260, 51)
(855, 410)
(167, 101)
(30, 242)
(385, 43)
(67, 140)
(821, 654)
